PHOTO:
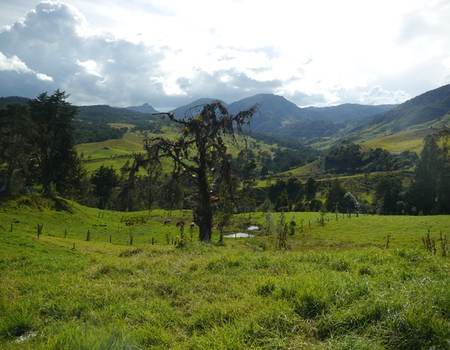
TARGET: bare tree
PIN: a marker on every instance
(200, 153)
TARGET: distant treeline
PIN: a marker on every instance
(96, 132)
(349, 158)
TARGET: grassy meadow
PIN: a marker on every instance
(116, 152)
(405, 141)
(341, 284)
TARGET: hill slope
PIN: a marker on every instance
(423, 111)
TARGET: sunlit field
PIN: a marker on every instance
(116, 152)
(359, 282)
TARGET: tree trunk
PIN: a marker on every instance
(204, 214)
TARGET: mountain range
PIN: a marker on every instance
(279, 116)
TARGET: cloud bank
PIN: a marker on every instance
(168, 53)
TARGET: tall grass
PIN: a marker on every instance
(338, 287)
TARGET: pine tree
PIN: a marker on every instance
(57, 163)
(104, 181)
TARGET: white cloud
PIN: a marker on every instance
(377, 96)
(446, 63)
(13, 63)
(90, 66)
(167, 52)
(44, 77)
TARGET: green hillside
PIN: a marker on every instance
(427, 110)
(116, 152)
(399, 142)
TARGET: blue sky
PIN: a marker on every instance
(170, 52)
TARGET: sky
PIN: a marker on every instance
(169, 53)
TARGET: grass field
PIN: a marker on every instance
(406, 141)
(115, 153)
(341, 285)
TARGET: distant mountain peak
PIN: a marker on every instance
(145, 108)
(180, 112)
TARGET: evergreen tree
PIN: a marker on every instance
(57, 163)
(335, 197)
(424, 186)
(430, 189)
(443, 176)
(388, 191)
(104, 181)
(283, 203)
(310, 188)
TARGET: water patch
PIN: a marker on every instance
(252, 228)
(25, 337)
(239, 235)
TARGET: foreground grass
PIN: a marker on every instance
(338, 287)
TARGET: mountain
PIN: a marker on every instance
(195, 105)
(273, 112)
(107, 114)
(277, 115)
(145, 108)
(270, 106)
(429, 109)
(346, 111)
(11, 100)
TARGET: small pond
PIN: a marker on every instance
(239, 235)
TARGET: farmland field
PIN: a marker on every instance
(341, 284)
(116, 152)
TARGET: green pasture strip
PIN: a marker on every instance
(109, 148)
(342, 231)
(116, 153)
(117, 164)
(338, 230)
(133, 142)
(407, 141)
(73, 224)
(309, 170)
(102, 296)
(121, 125)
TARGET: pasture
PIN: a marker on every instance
(116, 152)
(405, 141)
(341, 284)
